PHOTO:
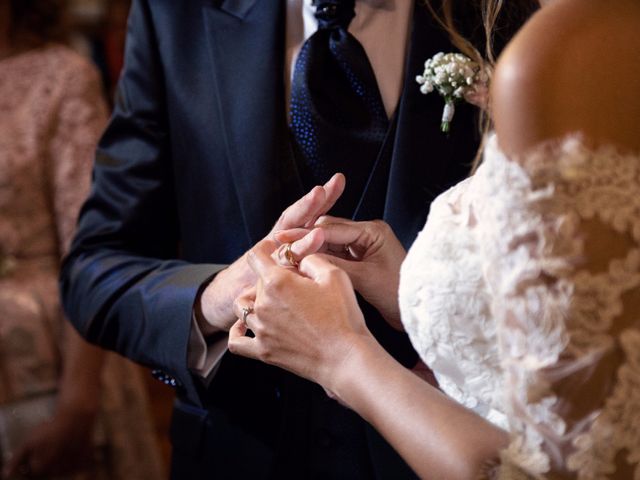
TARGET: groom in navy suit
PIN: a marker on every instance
(195, 167)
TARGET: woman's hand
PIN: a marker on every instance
(213, 308)
(369, 252)
(60, 446)
(305, 321)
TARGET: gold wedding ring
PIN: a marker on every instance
(288, 255)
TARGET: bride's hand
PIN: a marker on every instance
(369, 252)
(305, 320)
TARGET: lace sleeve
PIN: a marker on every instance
(81, 117)
(560, 233)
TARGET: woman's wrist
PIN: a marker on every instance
(391, 315)
(344, 378)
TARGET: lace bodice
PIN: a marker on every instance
(522, 293)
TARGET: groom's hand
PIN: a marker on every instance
(369, 252)
(214, 308)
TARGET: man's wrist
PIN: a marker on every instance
(209, 308)
(213, 307)
(203, 323)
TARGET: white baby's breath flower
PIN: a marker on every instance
(453, 76)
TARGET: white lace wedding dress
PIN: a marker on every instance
(522, 293)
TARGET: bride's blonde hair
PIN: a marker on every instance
(482, 52)
(490, 10)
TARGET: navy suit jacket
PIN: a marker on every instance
(194, 168)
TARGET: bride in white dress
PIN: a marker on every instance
(522, 293)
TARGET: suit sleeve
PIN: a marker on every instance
(121, 284)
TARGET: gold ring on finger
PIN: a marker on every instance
(288, 254)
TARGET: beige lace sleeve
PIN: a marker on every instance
(561, 240)
(82, 115)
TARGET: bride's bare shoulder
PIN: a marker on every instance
(574, 67)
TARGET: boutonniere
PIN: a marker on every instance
(454, 76)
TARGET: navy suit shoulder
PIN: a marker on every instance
(123, 268)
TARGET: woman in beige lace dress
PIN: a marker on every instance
(66, 408)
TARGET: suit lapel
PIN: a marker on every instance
(424, 162)
(237, 8)
(244, 37)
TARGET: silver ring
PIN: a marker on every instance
(246, 311)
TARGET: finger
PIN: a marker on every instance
(239, 343)
(291, 235)
(289, 254)
(333, 190)
(260, 260)
(331, 219)
(317, 202)
(304, 210)
(318, 267)
(241, 303)
(348, 239)
(356, 271)
(284, 257)
(237, 330)
(340, 246)
(308, 245)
